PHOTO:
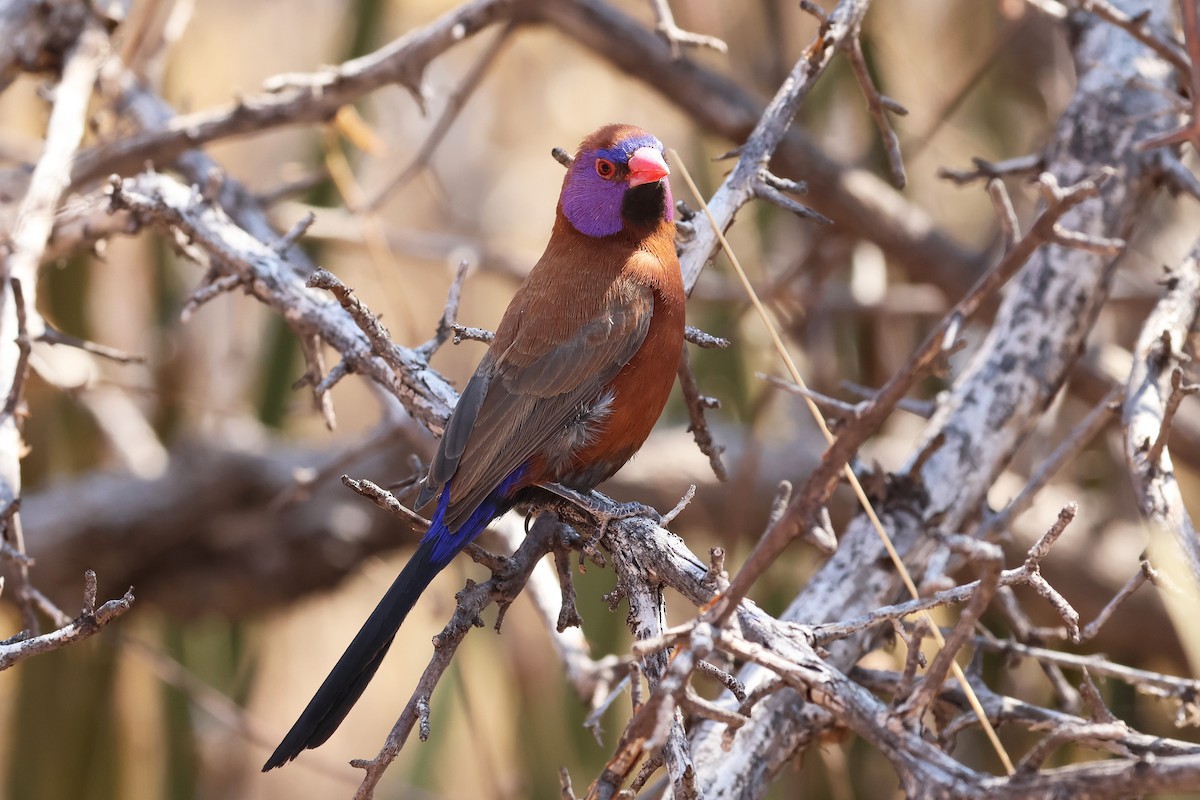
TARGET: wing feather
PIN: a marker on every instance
(520, 399)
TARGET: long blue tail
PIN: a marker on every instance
(354, 670)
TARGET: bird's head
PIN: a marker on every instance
(618, 181)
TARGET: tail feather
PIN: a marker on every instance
(354, 670)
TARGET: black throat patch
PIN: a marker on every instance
(645, 204)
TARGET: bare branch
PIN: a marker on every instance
(870, 414)
(1153, 388)
(51, 335)
(696, 405)
(1178, 391)
(676, 36)
(985, 589)
(1095, 421)
(1146, 681)
(704, 340)
(447, 325)
(295, 99)
(90, 621)
(20, 322)
(454, 104)
(877, 104)
(1029, 165)
(345, 327)
(1132, 585)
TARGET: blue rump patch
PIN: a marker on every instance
(447, 543)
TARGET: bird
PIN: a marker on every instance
(578, 372)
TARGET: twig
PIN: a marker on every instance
(676, 36)
(1179, 390)
(914, 659)
(735, 687)
(1151, 682)
(878, 105)
(716, 576)
(987, 170)
(920, 408)
(828, 632)
(289, 239)
(465, 334)
(207, 291)
(1068, 734)
(1095, 421)
(649, 767)
(455, 103)
(296, 99)
(1005, 213)
(839, 409)
(667, 518)
(384, 499)
(767, 188)
(698, 425)
(54, 336)
(314, 370)
(89, 622)
(447, 325)
(20, 374)
(1090, 630)
(564, 781)
(704, 340)
(568, 615)
(985, 589)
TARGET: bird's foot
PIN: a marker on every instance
(602, 510)
(621, 511)
(626, 511)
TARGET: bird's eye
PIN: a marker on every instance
(605, 168)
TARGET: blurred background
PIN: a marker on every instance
(185, 697)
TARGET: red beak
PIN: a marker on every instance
(646, 165)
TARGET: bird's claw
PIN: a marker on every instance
(630, 510)
(606, 516)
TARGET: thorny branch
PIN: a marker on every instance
(18, 275)
(870, 414)
(239, 255)
(263, 273)
(1007, 386)
(1153, 394)
(296, 99)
